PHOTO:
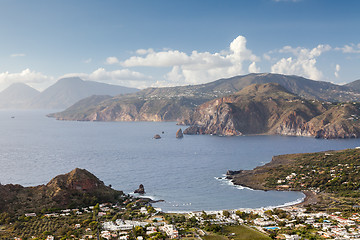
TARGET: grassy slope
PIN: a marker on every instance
(241, 233)
(335, 174)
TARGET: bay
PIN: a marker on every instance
(186, 173)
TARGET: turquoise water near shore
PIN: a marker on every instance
(187, 173)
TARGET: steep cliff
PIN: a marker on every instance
(271, 109)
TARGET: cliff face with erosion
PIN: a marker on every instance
(271, 109)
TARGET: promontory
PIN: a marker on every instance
(271, 109)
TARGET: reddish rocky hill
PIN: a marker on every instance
(271, 109)
(74, 189)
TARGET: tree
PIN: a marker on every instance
(226, 213)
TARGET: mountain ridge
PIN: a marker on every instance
(64, 93)
(160, 104)
(271, 109)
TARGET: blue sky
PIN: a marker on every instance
(176, 42)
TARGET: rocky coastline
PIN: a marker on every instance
(310, 198)
(271, 110)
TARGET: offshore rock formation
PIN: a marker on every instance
(157, 136)
(179, 134)
(74, 189)
(140, 190)
(271, 109)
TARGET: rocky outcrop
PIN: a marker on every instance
(157, 136)
(231, 172)
(271, 109)
(74, 189)
(140, 190)
(179, 134)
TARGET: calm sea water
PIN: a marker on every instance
(183, 172)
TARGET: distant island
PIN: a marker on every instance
(64, 93)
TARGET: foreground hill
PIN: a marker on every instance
(176, 103)
(271, 109)
(74, 189)
(68, 91)
(17, 95)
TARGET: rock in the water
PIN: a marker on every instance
(157, 136)
(140, 190)
(179, 134)
(230, 172)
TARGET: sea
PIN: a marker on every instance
(188, 173)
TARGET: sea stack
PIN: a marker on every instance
(179, 134)
(140, 190)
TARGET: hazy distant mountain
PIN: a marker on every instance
(175, 103)
(68, 91)
(17, 95)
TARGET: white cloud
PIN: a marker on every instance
(253, 68)
(352, 48)
(337, 70)
(303, 63)
(144, 51)
(35, 79)
(266, 57)
(158, 59)
(18, 55)
(112, 60)
(197, 67)
(337, 67)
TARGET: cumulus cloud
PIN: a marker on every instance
(112, 60)
(337, 70)
(158, 59)
(144, 51)
(253, 68)
(197, 67)
(35, 79)
(303, 63)
(352, 48)
(266, 57)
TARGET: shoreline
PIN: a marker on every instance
(308, 198)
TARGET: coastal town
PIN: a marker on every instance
(329, 210)
(136, 219)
